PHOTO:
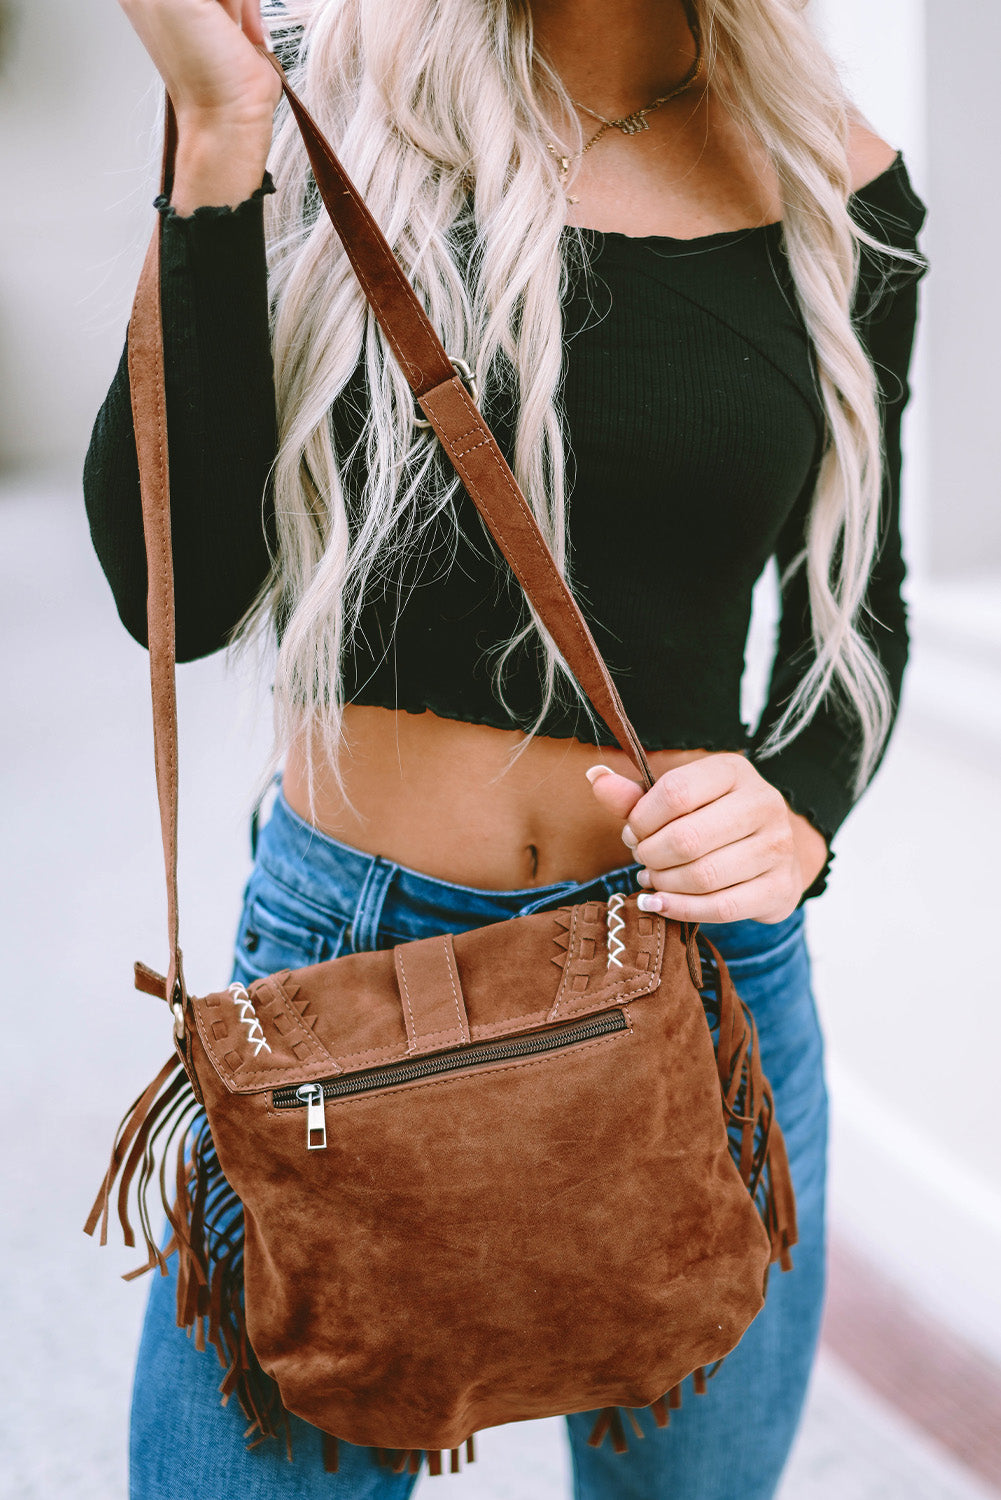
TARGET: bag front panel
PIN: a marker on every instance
(555, 1233)
(347, 1014)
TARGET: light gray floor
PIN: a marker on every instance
(82, 899)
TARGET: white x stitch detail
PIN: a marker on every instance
(248, 1018)
(616, 924)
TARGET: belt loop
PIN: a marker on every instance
(368, 911)
(255, 816)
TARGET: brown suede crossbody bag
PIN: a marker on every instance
(523, 1171)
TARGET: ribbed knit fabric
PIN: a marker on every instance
(694, 434)
(222, 433)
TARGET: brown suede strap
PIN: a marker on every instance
(431, 994)
(149, 415)
(455, 419)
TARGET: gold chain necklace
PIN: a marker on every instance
(629, 124)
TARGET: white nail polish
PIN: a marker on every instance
(647, 902)
(595, 771)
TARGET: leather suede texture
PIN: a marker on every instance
(518, 1239)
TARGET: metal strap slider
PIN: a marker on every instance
(461, 368)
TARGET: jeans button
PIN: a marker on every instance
(250, 941)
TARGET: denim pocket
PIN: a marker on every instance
(269, 940)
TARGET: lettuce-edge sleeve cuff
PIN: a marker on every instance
(817, 787)
(249, 208)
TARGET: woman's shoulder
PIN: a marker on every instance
(883, 199)
(869, 156)
(885, 205)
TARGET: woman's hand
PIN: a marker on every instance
(204, 51)
(224, 93)
(718, 843)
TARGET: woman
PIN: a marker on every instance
(639, 225)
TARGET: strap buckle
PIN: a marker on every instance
(462, 369)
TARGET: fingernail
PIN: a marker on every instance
(643, 877)
(628, 837)
(646, 902)
(595, 771)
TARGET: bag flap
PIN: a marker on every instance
(348, 1014)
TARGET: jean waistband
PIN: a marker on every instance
(372, 892)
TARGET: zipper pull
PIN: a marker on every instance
(316, 1123)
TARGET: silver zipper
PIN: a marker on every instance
(314, 1095)
(311, 1094)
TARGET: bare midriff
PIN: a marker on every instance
(445, 798)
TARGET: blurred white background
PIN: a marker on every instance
(901, 940)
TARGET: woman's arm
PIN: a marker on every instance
(219, 379)
(221, 433)
(815, 773)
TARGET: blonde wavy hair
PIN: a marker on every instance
(423, 99)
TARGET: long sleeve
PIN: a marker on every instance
(221, 432)
(816, 771)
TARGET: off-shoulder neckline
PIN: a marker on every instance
(599, 236)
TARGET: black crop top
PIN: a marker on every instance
(694, 432)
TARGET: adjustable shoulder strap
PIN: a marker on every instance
(149, 417)
(452, 413)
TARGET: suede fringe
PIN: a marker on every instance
(756, 1145)
(756, 1141)
(408, 1460)
(210, 1258)
(610, 1422)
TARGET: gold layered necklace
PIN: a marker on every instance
(630, 124)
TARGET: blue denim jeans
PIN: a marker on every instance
(310, 898)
